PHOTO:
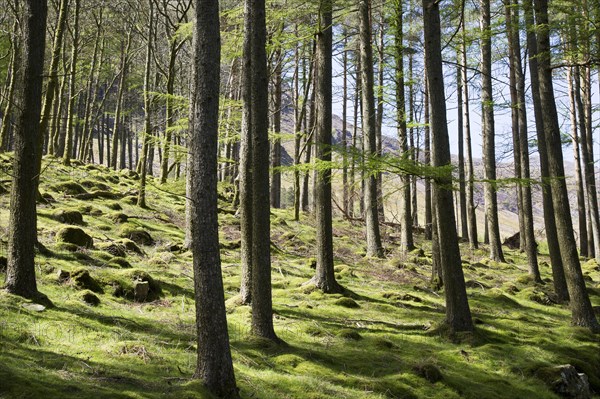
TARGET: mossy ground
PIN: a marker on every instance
(378, 349)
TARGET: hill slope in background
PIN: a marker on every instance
(122, 325)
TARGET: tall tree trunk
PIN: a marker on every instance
(15, 64)
(406, 219)
(470, 172)
(587, 158)
(581, 205)
(427, 150)
(458, 314)
(22, 234)
(71, 110)
(344, 142)
(324, 278)
(117, 134)
(255, 194)
(556, 261)
(51, 87)
(520, 139)
(85, 147)
(379, 108)
(488, 132)
(143, 170)
(374, 247)
(462, 188)
(214, 366)
(581, 308)
(276, 150)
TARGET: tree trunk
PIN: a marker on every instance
(15, 64)
(458, 314)
(462, 188)
(488, 132)
(256, 185)
(22, 234)
(581, 205)
(117, 126)
(406, 219)
(276, 150)
(581, 308)
(558, 273)
(51, 87)
(214, 366)
(68, 152)
(427, 150)
(324, 278)
(520, 139)
(143, 170)
(379, 108)
(587, 158)
(374, 247)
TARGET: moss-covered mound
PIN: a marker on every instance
(75, 236)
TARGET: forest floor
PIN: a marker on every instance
(381, 339)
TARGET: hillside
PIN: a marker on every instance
(122, 324)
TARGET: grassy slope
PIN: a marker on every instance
(377, 350)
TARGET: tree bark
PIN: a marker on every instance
(488, 132)
(22, 234)
(581, 308)
(520, 139)
(214, 365)
(458, 314)
(71, 110)
(558, 273)
(374, 247)
(324, 278)
(406, 219)
(256, 176)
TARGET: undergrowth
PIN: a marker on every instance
(382, 338)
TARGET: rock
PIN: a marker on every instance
(409, 297)
(130, 174)
(566, 381)
(69, 188)
(63, 276)
(349, 335)
(139, 236)
(119, 261)
(119, 218)
(3, 264)
(115, 206)
(514, 241)
(430, 372)
(34, 307)
(347, 303)
(130, 246)
(81, 279)
(68, 217)
(114, 249)
(90, 298)
(172, 247)
(47, 197)
(476, 284)
(76, 236)
(140, 290)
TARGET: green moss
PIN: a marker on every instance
(126, 349)
(347, 303)
(349, 334)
